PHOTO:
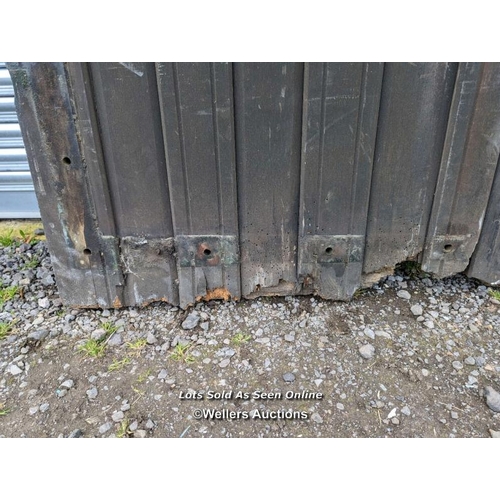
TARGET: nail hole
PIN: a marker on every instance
(329, 250)
(207, 251)
(66, 160)
(87, 251)
(448, 248)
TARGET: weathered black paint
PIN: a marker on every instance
(341, 104)
(196, 102)
(193, 181)
(268, 117)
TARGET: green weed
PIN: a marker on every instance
(6, 240)
(93, 348)
(494, 294)
(180, 353)
(5, 329)
(123, 429)
(7, 294)
(143, 376)
(137, 346)
(118, 364)
(109, 328)
(31, 264)
(240, 338)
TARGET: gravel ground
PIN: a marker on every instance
(411, 357)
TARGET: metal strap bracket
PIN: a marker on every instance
(207, 250)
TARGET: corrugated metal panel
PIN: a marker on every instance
(192, 181)
(17, 194)
(7, 110)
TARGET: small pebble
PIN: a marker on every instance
(105, 427)
(117, 416)
(68, 384)
(224, 363)
(92, 393)
(492, 399)
(367, 351)
(316, 417)
(417, 310)
(406, 411)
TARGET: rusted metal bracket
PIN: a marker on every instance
(331, 265)
(148, 265)
(208, 267)
(210, 250)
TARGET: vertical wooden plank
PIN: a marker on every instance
(126, 102)
(197, 117)
(414, 109)
(341, 103)
(126, 99)
(268, 114)
(96, 179)
(55, 157)
(485, 262)
(468, 166)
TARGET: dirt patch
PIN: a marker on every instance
(252, 368)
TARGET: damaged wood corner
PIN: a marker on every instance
(216, 294)
(282, 288)
(331, 265)
(152, 301)
(149, 270)
(207, 268)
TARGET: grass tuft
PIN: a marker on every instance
(93, 348)
(31, 264)
(6, 240)
(136, 346)
(118, 364)
(5, 328)
(143, 376)
(180, 353)
(8, 293)
(123, 431)
(240, 338)
(109, 328)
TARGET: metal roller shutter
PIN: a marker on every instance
(17, 194)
